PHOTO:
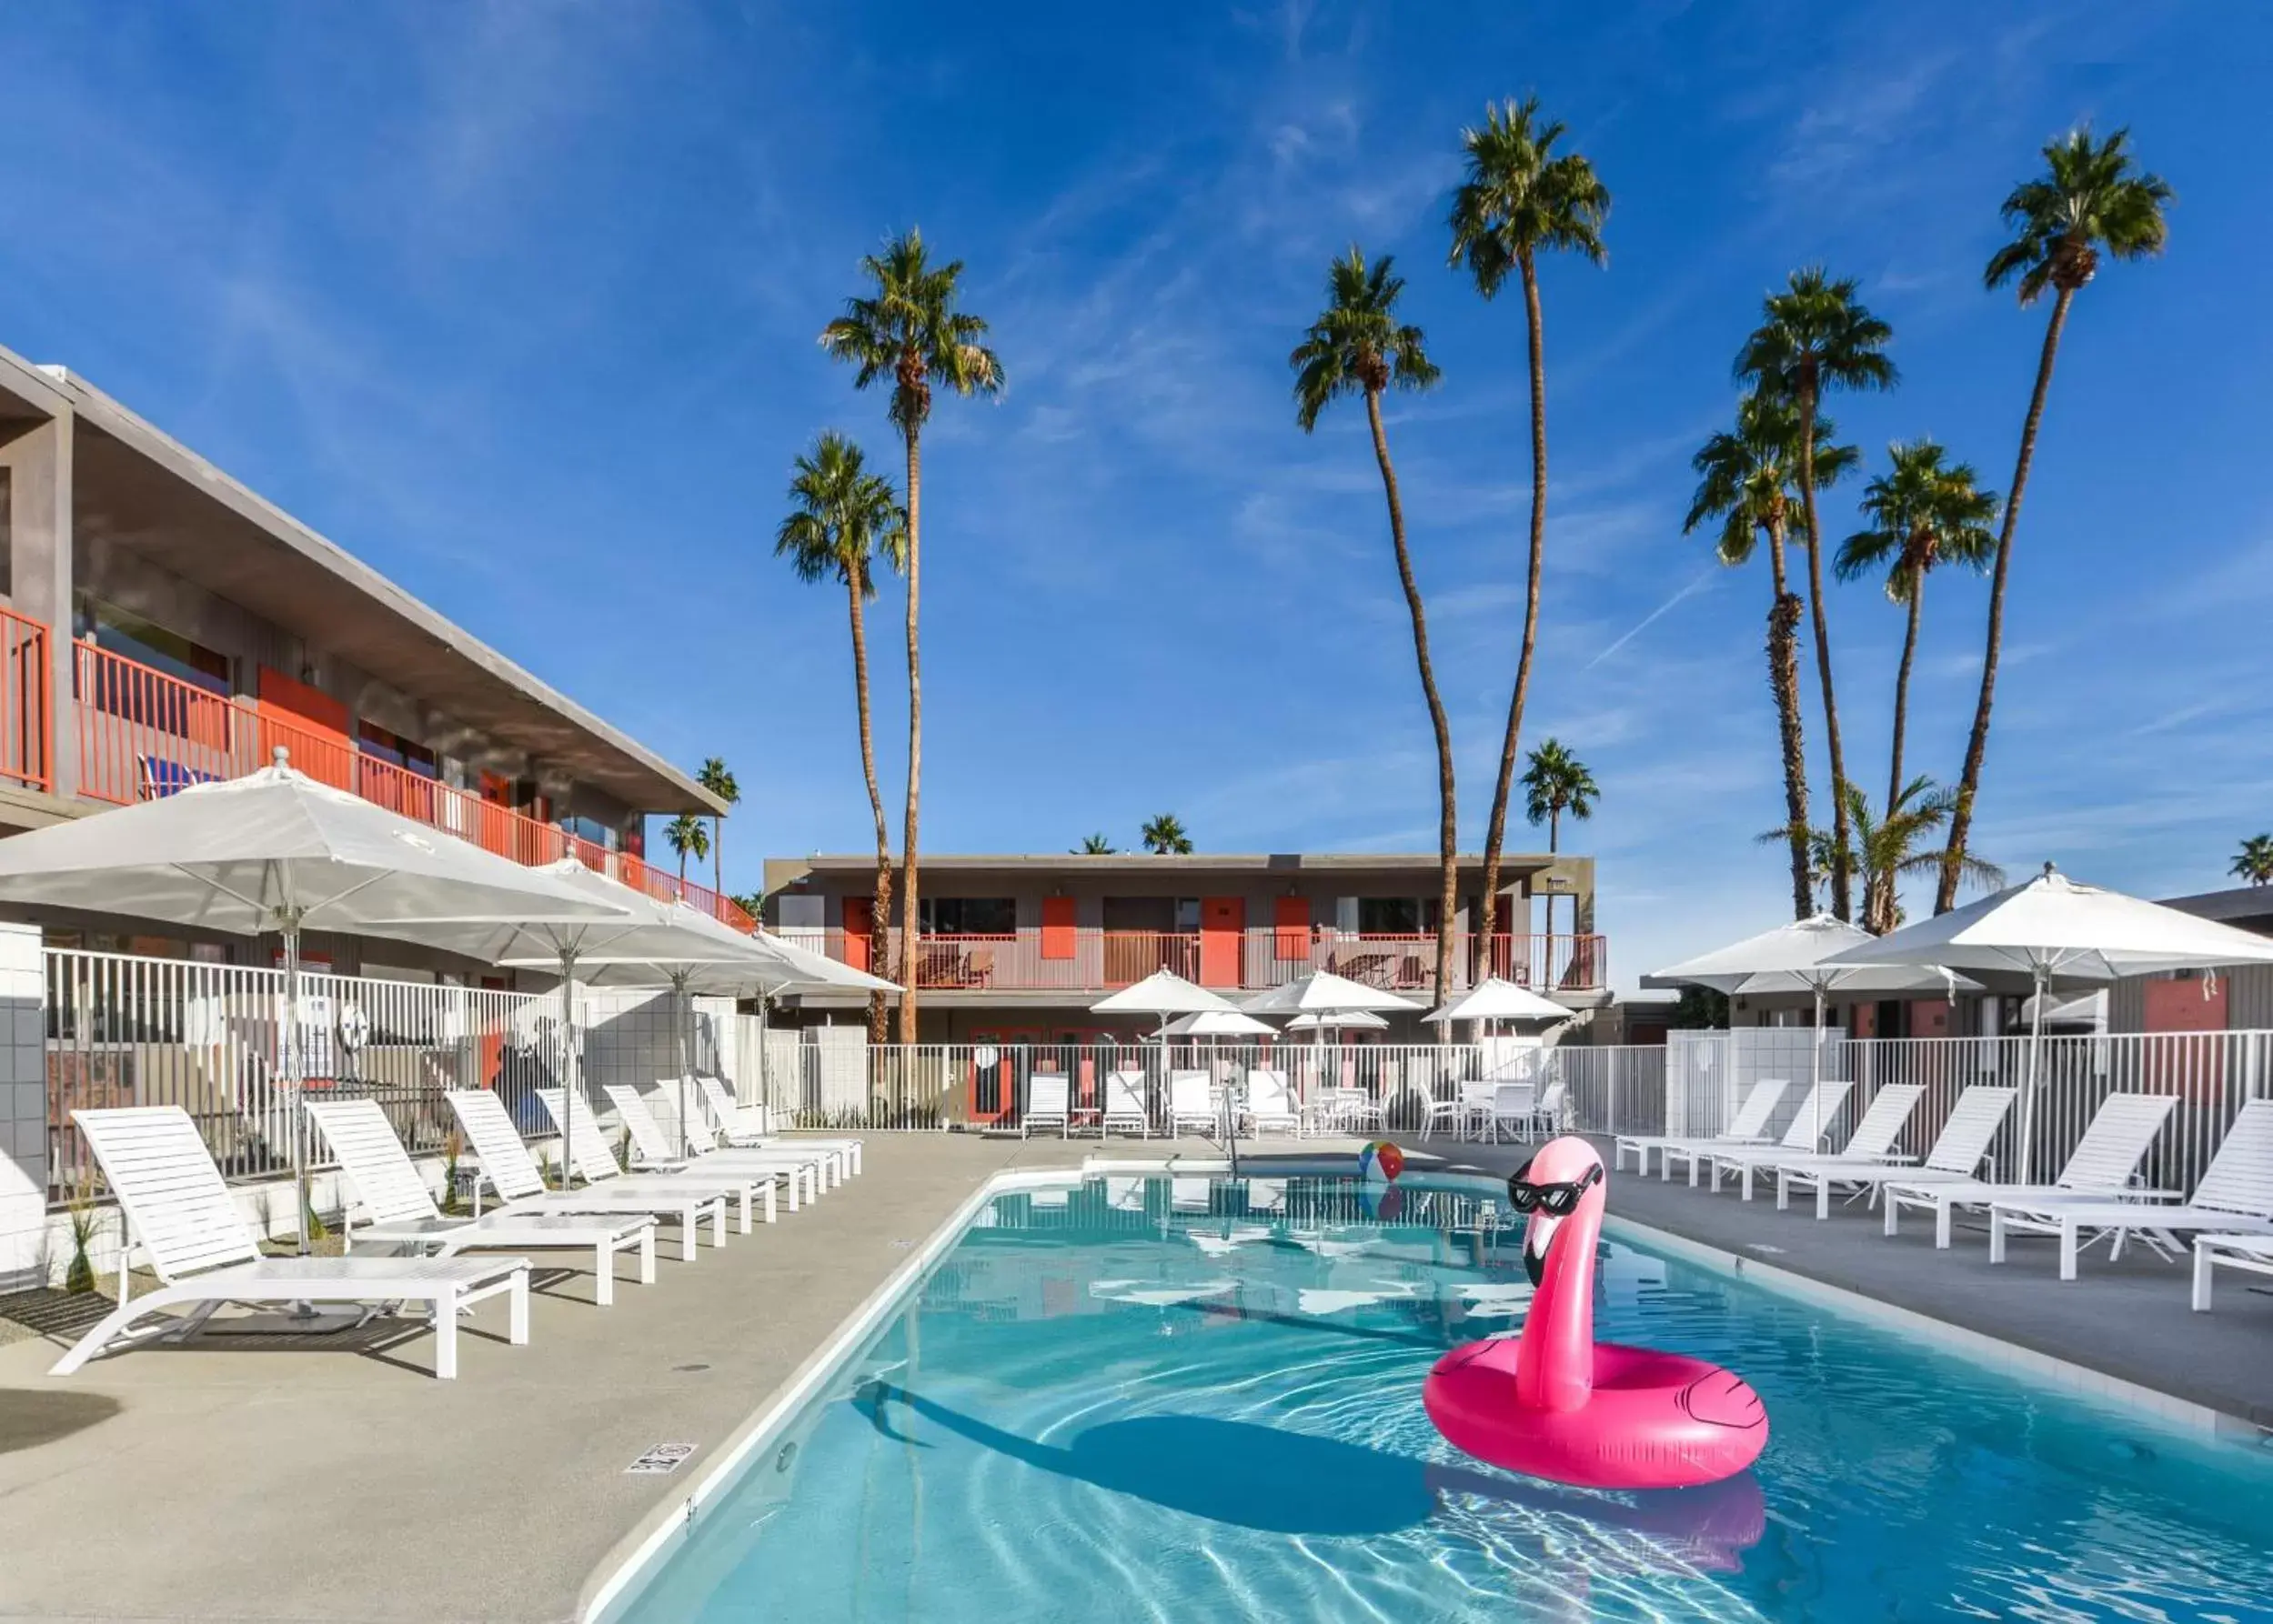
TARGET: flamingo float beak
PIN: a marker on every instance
(1538, 1236)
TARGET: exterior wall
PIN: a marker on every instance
(23, 1110)
(2242, 1001)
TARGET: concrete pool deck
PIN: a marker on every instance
(288, 1481)
(2127, 1320)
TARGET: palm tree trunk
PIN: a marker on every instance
(1448, 836)
(908, 911)
(881, 905)
(1495, 835)
(1841, 895)
(1902, 686)
(1783, 611)
(1554, 833)
(1977, 746)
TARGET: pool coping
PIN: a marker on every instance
(616, 1580)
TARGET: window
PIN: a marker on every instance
(1396, 915)
(968, 915)
(394, 749)
(589, 831)
(116, 631)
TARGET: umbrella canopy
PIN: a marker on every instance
(1818, 954)
(1497, 1000)
(277, 851)
(1322, 991)
(2053, 929)
(800, 970)
(1218, 1023)
(2056, 930)
(1164, 992)
(1343, 1020)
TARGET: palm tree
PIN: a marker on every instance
(2254, 861)
(1357, 347)
(845, 518)
(1164, 836)
(689, 837)
(1921, 515)
(1747, 478)
(718, 779)
(1814, 337)
(1094, 845)
(2088, 201)
(1885, 850)
(752, 903)
(1555, 782)
(1521, 197)
(910, 331)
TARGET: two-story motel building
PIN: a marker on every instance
(160, 624)
(1015, 949)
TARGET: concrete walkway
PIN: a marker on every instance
(277, 1481)
(2128, 1319)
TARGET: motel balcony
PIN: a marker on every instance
(138, 733)
(1069, 960)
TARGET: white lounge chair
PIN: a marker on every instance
(1124, 1105)
(1191, 1104)
(2103, 1164)
(596, 1164)
(1958, 1151)
(730, 1123)
(830, 1162)
(509, 1170)
(1873, 1139)
(399, 1210)
(652, 1151)
(1749, 1126)
(1818, 1109)
(1047, 1095)
(177, 1211)
(2250, 1252)
(1269, 1108)
(2236, 1194)
(1515, 1107)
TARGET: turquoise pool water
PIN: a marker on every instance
(1180, 1400)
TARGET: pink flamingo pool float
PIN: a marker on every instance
(1554, 1403)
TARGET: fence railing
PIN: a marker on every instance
(1071, 958)
(27, 711)
(143, 732)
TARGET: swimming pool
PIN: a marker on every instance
(1140, 1398)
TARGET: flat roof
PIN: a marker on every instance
(2240, 907)
(1513, 865)
(131, 479)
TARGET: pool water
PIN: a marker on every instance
(1191, 1400)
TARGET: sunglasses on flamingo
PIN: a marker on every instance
(1556, 1200)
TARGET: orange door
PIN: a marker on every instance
(1057, 927)
(1290, 929)
(993, 1076)
(310, 724)
(1223, 920)
(859, 931)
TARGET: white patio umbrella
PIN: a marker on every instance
(1323, 993)
(1819, 955)
(1339, 1020)
(2054, 930)
(1165, 994)
(1217, 1023)
(1495, 999)
(277, 851)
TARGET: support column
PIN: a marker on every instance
(40, 528)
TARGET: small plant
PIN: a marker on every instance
(317, 1229)
(85, 1214)
(453, 1148)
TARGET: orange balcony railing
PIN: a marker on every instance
(144, 733)
(27, 710)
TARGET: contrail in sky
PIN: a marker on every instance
(1695, 585)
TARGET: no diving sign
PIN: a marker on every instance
(660, 1461)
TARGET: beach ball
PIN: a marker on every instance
(1380, 1159)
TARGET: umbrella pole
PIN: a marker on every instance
(2035, 1052)
(1814, 1072)
(685, 1041)
(294, 1068)
(569, 1079)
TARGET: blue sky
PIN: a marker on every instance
(518, 302)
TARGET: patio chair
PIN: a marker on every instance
(2236, 1194)
(728, 1119)
(2250, 1252)
(1269, 1108)
(590, 1159)
(179, 1214)
(509, 1170)
(1191, 1104)
(1515, 1106)
(1046, 1097)
(1818, 1109)
(161, 777)
(1124, 1105)
(2104, 1163)
(399, 1210)
(1748, 1127)
(1555, 1106)
(1468, 1109)
(1349, 1109)
(1873, 1140)
(1959, 1150)
(653, 1150)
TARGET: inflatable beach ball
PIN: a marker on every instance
(1382, 1160)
